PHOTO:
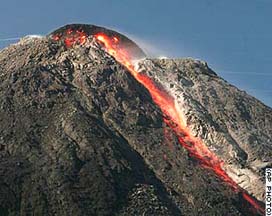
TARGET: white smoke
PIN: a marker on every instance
(34, 36)
(151, 50)
(150, 47)
(10, 39)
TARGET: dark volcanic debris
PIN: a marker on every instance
(80, 136)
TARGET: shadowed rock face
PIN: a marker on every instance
(80, 136)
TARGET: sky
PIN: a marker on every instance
(232, 36)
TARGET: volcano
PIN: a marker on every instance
(91, 126)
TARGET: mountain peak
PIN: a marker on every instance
(77, 33)
(87, 131)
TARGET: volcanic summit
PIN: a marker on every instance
(91, 126)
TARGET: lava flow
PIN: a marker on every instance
(72, 37)
(173, 117)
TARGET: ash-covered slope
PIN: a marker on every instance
(234, 125)
(80, 136)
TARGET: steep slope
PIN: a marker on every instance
(79, 135)
(234, 126)
(220, 152)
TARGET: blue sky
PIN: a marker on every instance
(233, 36)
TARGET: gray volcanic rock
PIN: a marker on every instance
(234, 125)
(80, 136)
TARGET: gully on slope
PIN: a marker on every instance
(172, 113)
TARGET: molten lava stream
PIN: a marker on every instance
(173, 118)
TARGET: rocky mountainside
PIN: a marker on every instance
(233, 124)
(79, 135)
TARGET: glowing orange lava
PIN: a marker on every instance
(172, 114)
(173, 118)
(72, 37)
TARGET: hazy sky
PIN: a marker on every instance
(233, 36)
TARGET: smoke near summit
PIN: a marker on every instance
(91, 126)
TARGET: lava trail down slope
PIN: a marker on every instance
(89, 126)
(174, 118)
